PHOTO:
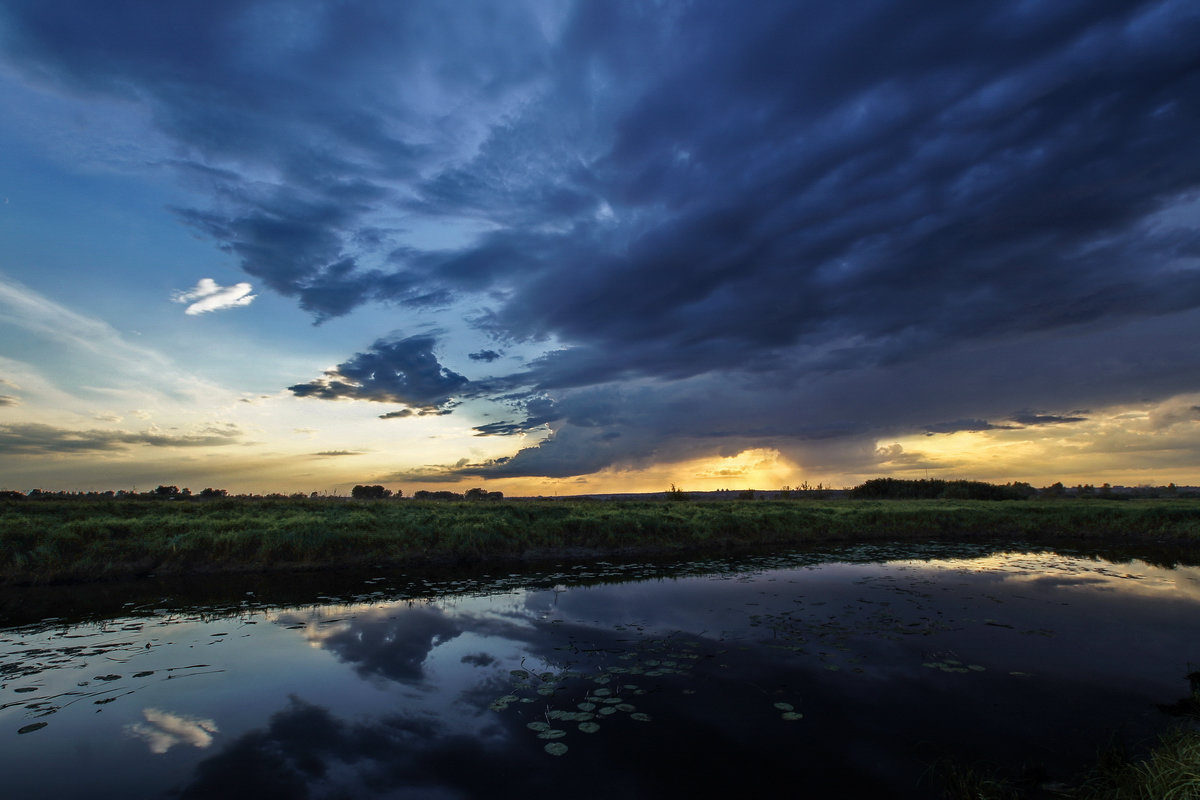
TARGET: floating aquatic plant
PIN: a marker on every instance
(556, 748)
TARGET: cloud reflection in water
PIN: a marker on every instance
(162, 730)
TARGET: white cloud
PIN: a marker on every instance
(208, 295)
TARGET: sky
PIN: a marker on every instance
(581, 247)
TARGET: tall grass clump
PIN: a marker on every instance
(1171, 771)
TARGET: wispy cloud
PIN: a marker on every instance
(207, 295)
(82, 357)
(38, 439)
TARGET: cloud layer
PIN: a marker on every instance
(730, 225)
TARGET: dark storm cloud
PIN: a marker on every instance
(37, 439)
(8, 400)
(737, 214)
(484, 355)
(404, 371)
(830, 421)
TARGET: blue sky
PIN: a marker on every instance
(564, 247)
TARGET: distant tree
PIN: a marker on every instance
(210, 493)
(895, 488)
(676, 494)
(422, 494)
(483, 494)
(370, 492)
(10, 494)
(167, 492)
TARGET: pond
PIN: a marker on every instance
(846, 672)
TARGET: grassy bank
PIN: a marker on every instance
(81, 540)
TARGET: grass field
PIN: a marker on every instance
(84, 540)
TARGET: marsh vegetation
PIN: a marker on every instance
(78, 540)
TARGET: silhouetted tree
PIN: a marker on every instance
(167, 491)
(427, 495)
(370, 492)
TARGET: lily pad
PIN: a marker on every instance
(586, 706)
(589, 727)
(556, 748)
(640, 717)
(792, 715)
(538, 726)
(553, 733)
(785, 706)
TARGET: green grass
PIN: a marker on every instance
(83, 540)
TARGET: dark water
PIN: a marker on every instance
(838, 674)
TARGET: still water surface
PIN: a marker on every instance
(838, 673)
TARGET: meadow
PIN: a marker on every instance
(77, 540)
